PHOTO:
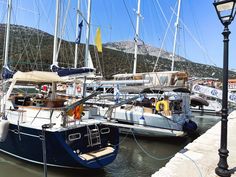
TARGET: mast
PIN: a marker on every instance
(55, 47)
(3, 98)
(56, 33)
(136, 38)
(7, 33)
(77, 33)
(175, 37)
(87, 34)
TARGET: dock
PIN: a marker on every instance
(200, 158)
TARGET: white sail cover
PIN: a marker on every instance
(37, 76)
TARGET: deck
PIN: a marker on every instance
(200, 158)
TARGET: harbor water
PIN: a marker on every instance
(137, 157)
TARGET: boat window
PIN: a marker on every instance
(74, 136)
(105, 130)
(22, 100)
(163, 80)
(176, 105)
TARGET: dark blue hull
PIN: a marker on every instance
(63, 148)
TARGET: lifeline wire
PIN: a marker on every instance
(149, 155)
(165, 158)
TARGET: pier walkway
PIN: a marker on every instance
(200, 158)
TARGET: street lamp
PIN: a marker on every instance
(226, 12)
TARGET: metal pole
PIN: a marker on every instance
(136, 38)
(87, 34)
(7, 32)
(56, 32)
(3, 105)
(44, 127)
(77, 33)
(44, 146)
(222, 169)
(175, 37)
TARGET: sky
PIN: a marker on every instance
(199, 37)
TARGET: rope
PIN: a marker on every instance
(63, 29)
(122, 140)
(150, 155)
(165, 158)
(129, 15)
(200, 173)
(195, 40)
(163, 41)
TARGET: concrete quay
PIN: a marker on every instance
(200, 158)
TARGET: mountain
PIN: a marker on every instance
(143, 49)
(32, 49)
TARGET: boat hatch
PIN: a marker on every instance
(97, 154)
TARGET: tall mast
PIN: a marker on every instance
(7, 33)
(136, 38)
(3, 98)
(175, 37)
(77, 33)
(56, 33)
(87, 34)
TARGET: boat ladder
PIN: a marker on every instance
(93, 136)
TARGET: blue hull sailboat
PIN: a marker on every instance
(45, 129)
(70, 142)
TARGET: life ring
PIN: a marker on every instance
(162, 105)
(78, 112)
(78, 88)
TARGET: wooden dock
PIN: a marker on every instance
(200, 158)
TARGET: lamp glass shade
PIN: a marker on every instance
(225, 7)
(225, 10)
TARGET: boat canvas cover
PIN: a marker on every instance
(7, 73)
(37, 76)
(71, 71)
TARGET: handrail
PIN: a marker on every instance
(83, 100)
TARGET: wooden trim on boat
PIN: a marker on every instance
(97, 154)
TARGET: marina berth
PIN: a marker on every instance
(199, 158)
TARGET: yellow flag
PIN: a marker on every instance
(98, 40)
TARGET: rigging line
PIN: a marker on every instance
(121, 142)
(110, 24)
(46, 14)
(163, 14)
(63, 29)
(27, 10)
(195, 40)
(25, 43)
(195, 22)
(36, 8)
(148, 154)
(4, 14)
(129, 15)
(163, 41)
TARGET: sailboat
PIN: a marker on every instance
(48, 130)
(152, 117)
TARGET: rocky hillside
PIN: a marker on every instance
(143, 49)
(31, 49)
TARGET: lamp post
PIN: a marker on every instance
(226, 12)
